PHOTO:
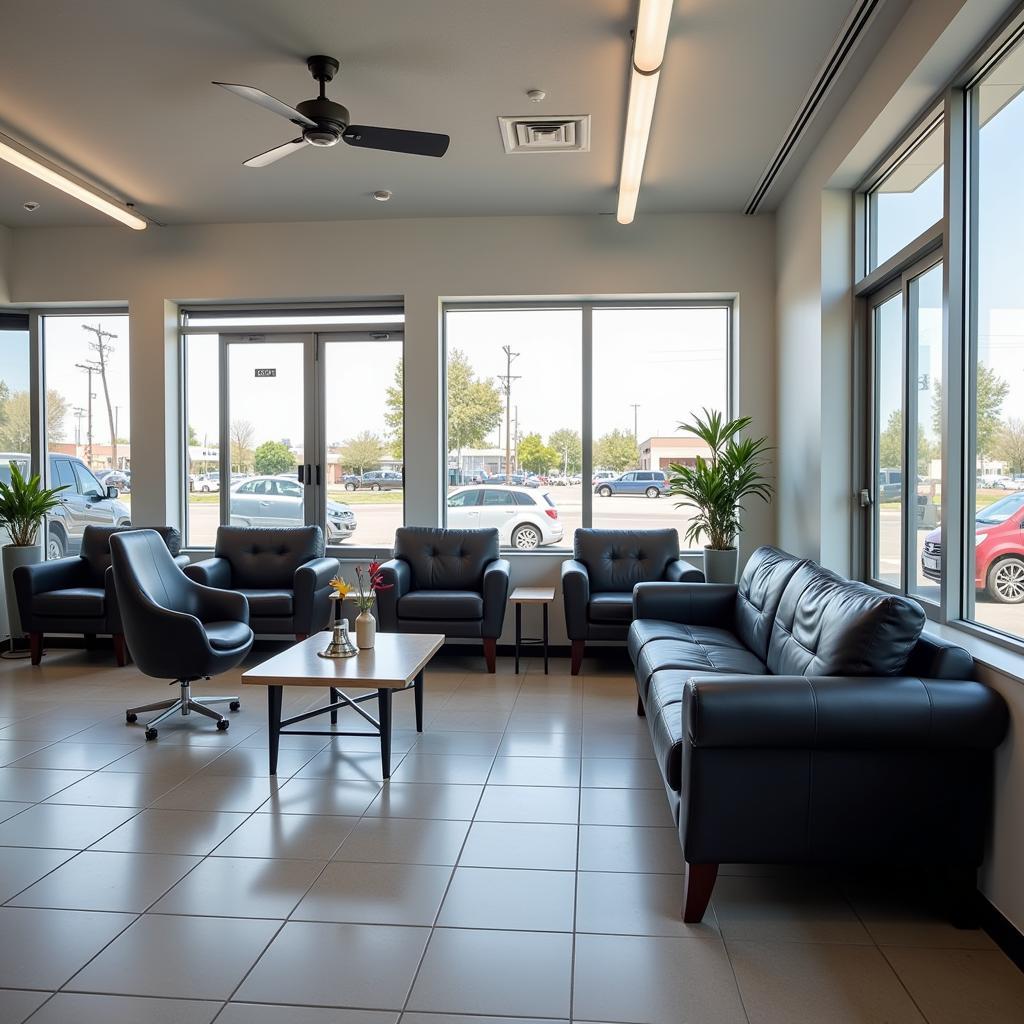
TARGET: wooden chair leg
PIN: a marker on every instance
(697, 885)
(578, 646)
(640, 710)
(35, 645)
(120, 650)
(491, 654)
(300, 636)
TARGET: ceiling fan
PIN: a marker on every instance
(324, 122)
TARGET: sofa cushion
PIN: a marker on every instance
(760, 590)
(75, 602)
(617, 560)
(696, 658)
(644, 630)
(264, 603)
(446, 559)
(665, 721)
(441, 604)
(226, 636)
(610, 607)
(827, 625)
(265, 558)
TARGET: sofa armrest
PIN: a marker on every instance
(60, 574)
(397, 578)
(841, 712)
(181, 561)
(680, 571)
(693, 604)
(576, 596)
(311, 590)
(495, 594)
(210, 572)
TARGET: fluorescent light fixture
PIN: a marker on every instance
(21, 158)
(648, 53)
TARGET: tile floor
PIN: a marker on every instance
(522, 863)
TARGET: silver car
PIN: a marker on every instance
(278, 501)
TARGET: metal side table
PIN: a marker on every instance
(532, 595)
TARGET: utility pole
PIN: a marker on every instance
(79, 412)
(90, 369)
(102, 347)
(506, 385)
(636, 437)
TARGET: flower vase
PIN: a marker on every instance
(366, 630)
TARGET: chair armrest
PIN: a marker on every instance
(841, 712)
(216, 605)
(210, 572)
(495, 594)
(576, 598)
(693, 604)
(181, 561)
(312, 594)
(397, 578)
(680, 571)
(60, 574)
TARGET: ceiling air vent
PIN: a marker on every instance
(546, 134)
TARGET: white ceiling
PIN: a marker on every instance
(120, 92)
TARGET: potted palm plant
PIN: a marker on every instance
(24, 504)
(716, 486)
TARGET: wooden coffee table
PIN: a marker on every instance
(396, 662)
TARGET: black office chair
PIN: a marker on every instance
(175, 628)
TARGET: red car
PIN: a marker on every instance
(999, 550)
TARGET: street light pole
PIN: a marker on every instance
(90, 369)
(506, 384)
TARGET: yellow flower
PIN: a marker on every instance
(341, 588)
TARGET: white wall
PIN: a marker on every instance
(425, 261)
(6, 240)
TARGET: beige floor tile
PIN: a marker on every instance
(255, 762)
(293, 970)
(459, 720)
(463, 769)
(479, 744)
(426, 800)
(557, 806)
(954, 986)
(16, 1005)
(461, 1018)
(806, 983)
(14, 750)
(483, 972)
(43, 948)
(177, 957)
(321, 796)
(535, 771)
(31, 784)
(298, 836)
(633, 849)
(21, 866)
(76, 756)
(549, 721)
(86, 1008)
(621, 773)
(625, 807)
(168, 831)
(9, 808)
(167, 759)
(375, 894)
(126, 882)
(520, 845)
(503, 898)
(654, 981)
(617, 902)
(347, 766)
(219, 793)
(117, 789)
(255, 1013)
(404, 841)
(540, 744)
(615, 744)
(62, 826)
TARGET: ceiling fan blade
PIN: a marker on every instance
(268, 102)
(396, 140)
(271, 155)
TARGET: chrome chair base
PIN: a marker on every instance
(186, 705)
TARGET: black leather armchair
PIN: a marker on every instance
(76, 594)
(281, 571)
(446, 581)
(177, 629)
(597, 583)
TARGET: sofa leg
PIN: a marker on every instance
(491, 654)
(697, 886)
(640, 710)
(578, 647)
(300, 637)
(35, 646)
(120, 650)
(90, 641)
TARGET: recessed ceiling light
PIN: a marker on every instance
(382, 195)
(535, 95)
(31, 206)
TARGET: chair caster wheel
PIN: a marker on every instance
(235, 705)
(223, 724)
(151, 734)
(131, 717)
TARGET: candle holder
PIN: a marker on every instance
(341, 645)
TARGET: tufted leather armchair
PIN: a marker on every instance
(597, 583)
(77, 594)
(446, 581)
(281, 571)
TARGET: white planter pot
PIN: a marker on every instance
(720, 566)
(13, 556)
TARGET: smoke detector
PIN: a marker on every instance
(568, 134)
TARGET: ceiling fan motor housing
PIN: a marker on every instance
(331, 121)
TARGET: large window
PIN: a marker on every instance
(295, 418)
(567, 416)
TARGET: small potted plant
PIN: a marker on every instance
(717, 485)
(368, 582)
(24, 504)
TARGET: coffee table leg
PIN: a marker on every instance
(334, 700)
(274, 723)
(519, 632)
(384, 705)
(545, 638)
(418, 696)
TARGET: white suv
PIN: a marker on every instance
(525, 518)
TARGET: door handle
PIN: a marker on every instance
(301, 474)
(264, 504)
(318, 474)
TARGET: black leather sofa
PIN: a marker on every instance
(281, 571)
(77, 594)
(446, 581)
(598, 581)
(799, 717)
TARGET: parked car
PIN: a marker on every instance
(651, 482)
(525, 519)
(84, 502)
(890, 485)
(518, 480)
(382, 480)
(207, 483)
(998, 550)
(114, 478)
(602, 474)
(278, 501)
(351, 481)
